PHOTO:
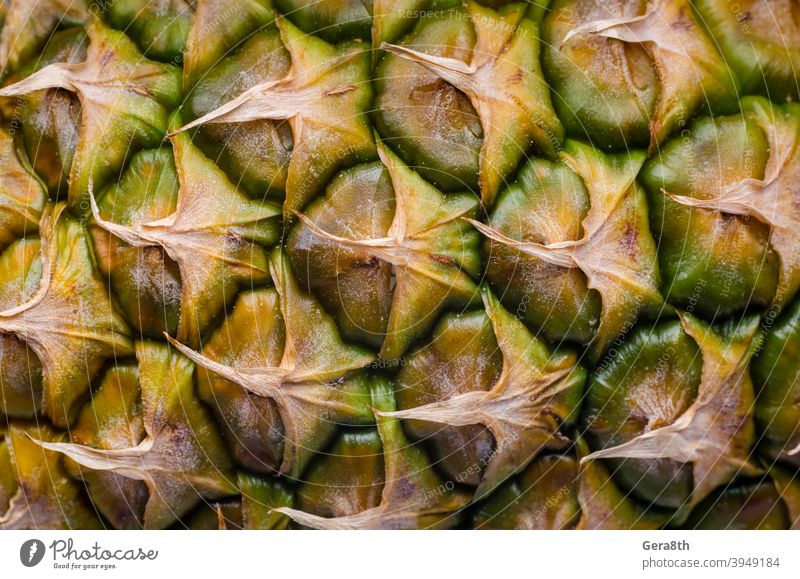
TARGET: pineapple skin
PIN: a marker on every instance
(399, 264)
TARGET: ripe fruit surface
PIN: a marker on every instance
(399, 264)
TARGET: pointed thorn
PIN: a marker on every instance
(35, 440)
(221, 519)
(93, 202)
(183, 349)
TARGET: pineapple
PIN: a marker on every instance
(280, 264)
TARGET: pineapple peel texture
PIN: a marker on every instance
(523, 410)
(310, 386)
(617, 252)
(204, 422)
(22, 194)
(182, 458)
(46, 497)
(432, 253)
(680, 50)
(407, 500)
(121, 93)
(324, 98)
(28, 24)
(504, 83)
(70, 322)
(209, 235)
(715, 433)
(773, 200)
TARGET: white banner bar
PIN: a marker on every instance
(386, 555)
